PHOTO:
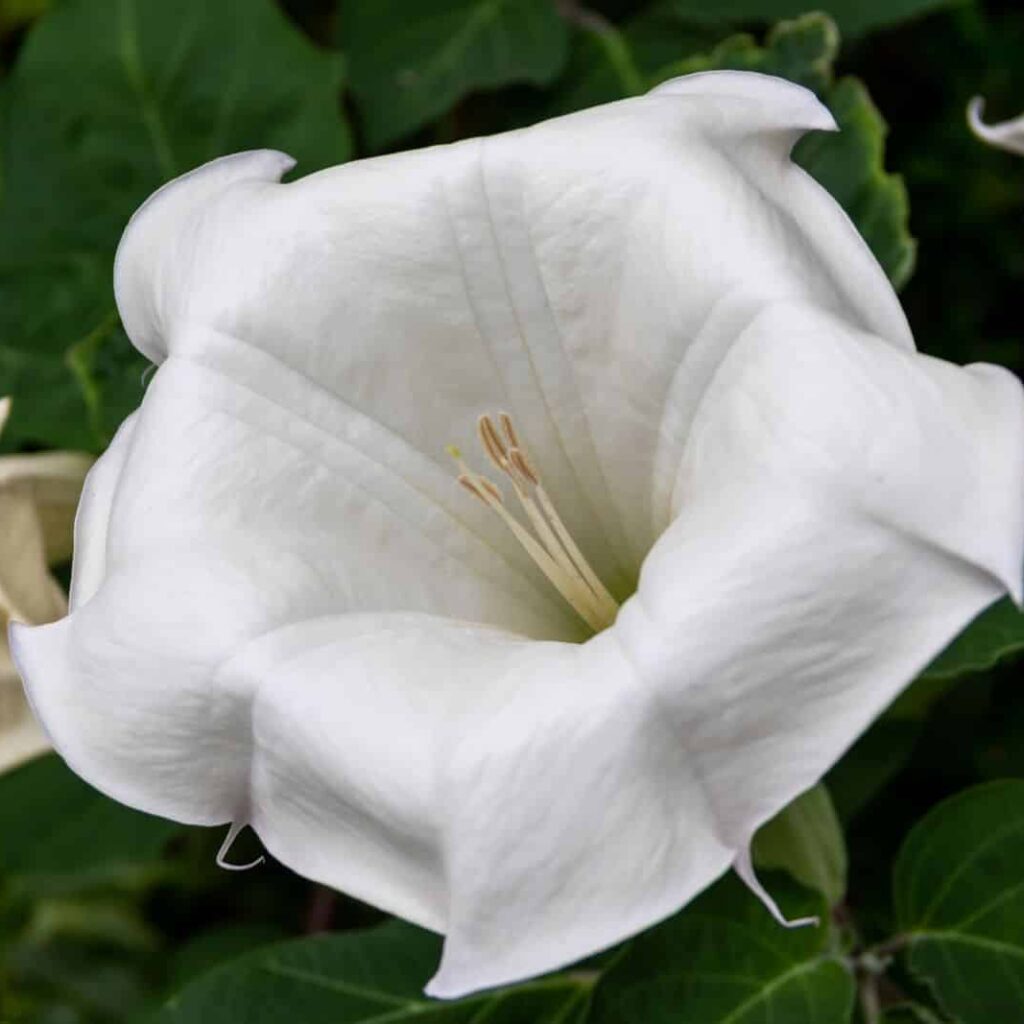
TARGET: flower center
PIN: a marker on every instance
(550, 545)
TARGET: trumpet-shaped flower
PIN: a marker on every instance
(715, 512)
(1008, 135)
(38, 495)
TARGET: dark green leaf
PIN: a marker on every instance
(802, 50)
(996, 634)
(608, 62)
(412, 60)
(109, 99)
(959, 889)
(725, 959)
(849, 163)
(852, 16)
(806, 839)
(53, 824)
(360, 976)
(210, 948)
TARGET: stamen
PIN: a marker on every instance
(518, 459)
(556, 553)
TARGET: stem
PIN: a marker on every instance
(870, 1004)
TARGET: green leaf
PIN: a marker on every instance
(996, 634)
(52, 824)
(959, 890)
(806, 840)
(802, 50)
(852, 16)
(725, 959)
(608, 62)
(206, 950)
(108, 100)
(412, 60)
(849, 163)
(360, 976)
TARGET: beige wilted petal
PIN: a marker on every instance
(38, 496)
(28, 593)
(20, 735)
(53, 481)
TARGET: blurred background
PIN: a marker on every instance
(106, 915)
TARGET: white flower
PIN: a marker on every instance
(38, 494)
(1008, 135)
(285, 611)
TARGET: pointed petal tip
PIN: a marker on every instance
(975, 113)
(447, 986)
(785, 104)
(144, 273)
(438, 990)
(744, 867)
(1008, 135)
(233, 833)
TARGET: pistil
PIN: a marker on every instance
(551, 546)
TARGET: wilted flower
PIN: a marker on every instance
(715, 513)
(1008, 135)
(38, 495)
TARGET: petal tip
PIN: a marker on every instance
(147, 247)
(744, 867)
(782, 104)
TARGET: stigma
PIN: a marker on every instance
(546, 539)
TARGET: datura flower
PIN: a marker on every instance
(38, 495)
(1008, 135)
(715, 511)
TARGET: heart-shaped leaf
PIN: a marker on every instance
(959, 888)
(57, 832)
(411, 62)
(109, 99)
(725, 960)
(357, 977)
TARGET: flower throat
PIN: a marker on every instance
(550, 546)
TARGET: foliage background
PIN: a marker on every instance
(913, 853)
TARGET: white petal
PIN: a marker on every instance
(410, 762)
(563, 273)
(92, 523)
(1008, 135)
(126, 687)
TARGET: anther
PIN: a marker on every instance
(518, 460)
(480, 484)
(552, 549)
